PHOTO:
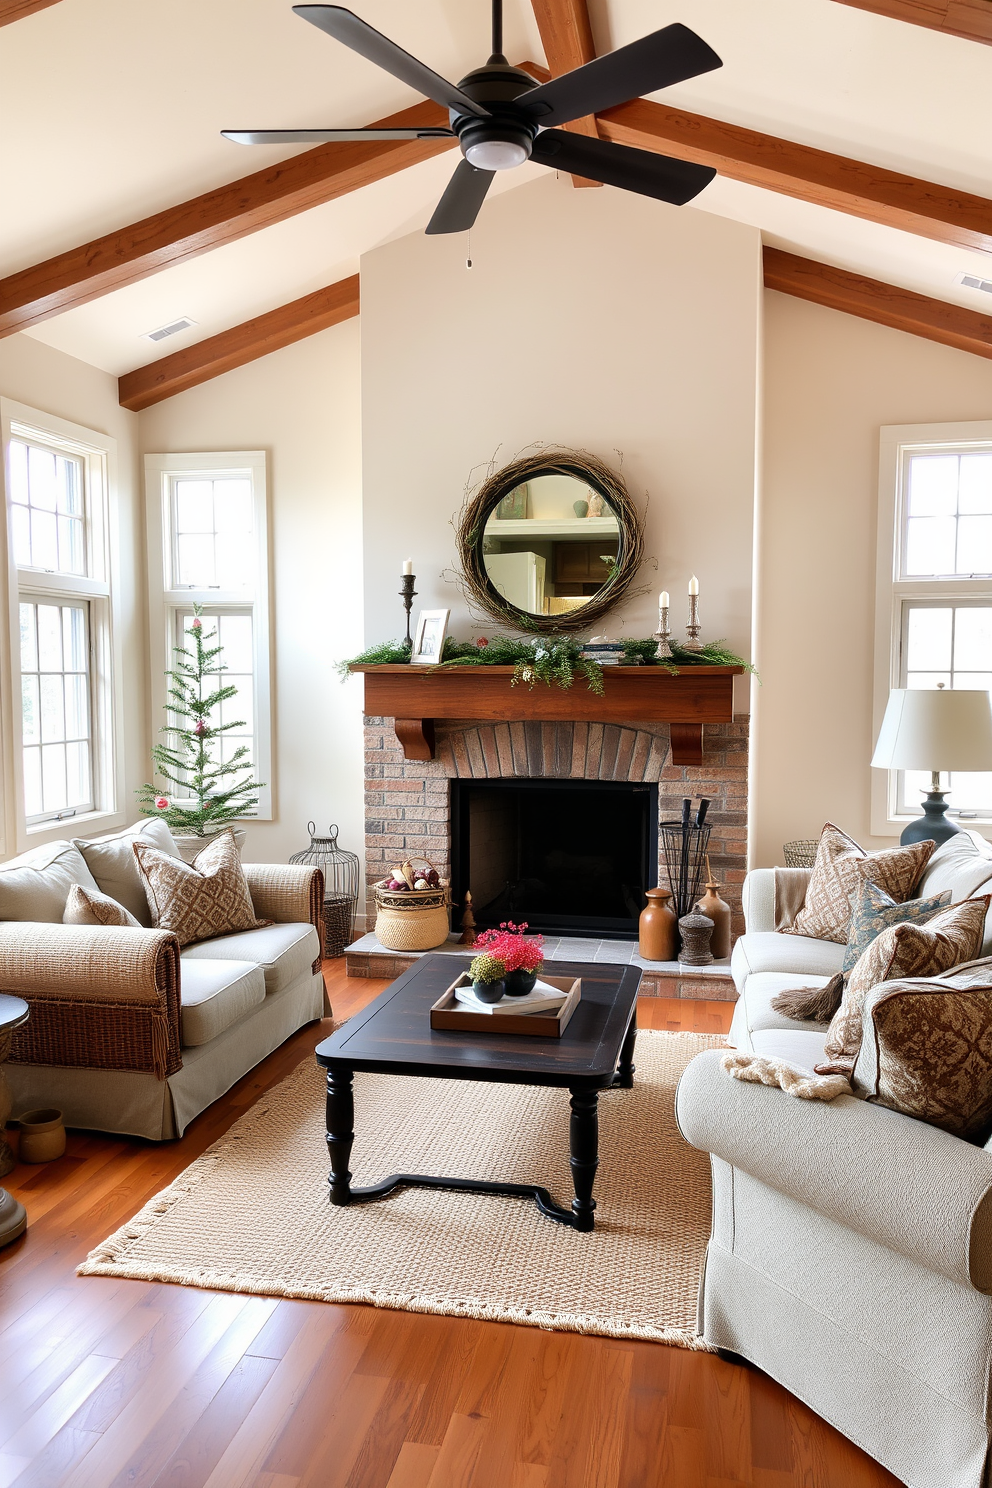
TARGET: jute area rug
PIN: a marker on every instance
(252, 1214)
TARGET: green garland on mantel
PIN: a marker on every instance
(555, 662)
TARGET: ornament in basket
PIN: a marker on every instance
(412, 907)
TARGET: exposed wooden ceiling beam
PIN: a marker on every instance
(566, 35)
(971, 19)
(817, 176)
(886, 304)
(242, 343)
(316, 176)
(208, 221)
(16, 10)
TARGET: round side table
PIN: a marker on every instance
(13, 1219)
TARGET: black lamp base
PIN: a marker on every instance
(933, 824)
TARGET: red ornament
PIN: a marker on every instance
(162, 803)
(197, 625)
(481, 641)
(201, 727)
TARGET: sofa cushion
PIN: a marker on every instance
(215, 994)
(873, 911)
(767, 950)
(36, 885)
(763, 987)
(111, 861)
(962, 864)
(826, 913)
(90, 907)
(799, 1047)
(284, 952)
(199, 900)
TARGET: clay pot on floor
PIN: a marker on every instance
(657, 927)
(42, 1136)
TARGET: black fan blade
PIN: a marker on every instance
(463, 196)
(346, 27)
(328, 136)
(675, 181)
(667, 56)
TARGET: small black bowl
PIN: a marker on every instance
(489, 991)
(519, 983)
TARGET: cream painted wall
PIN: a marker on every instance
(830, 382)
(301, 405)
(594, 319)
(48, 380)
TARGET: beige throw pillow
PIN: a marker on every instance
(35, 886)
(111, 861)
(198, 900)
(826, 914)
(927, 1050)
(90, 907)
(910, 950)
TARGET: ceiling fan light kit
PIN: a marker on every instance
(501, 117)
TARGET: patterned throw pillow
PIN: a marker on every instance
(826, 913)
(873, 910)
(198, 900)
(89, 907)
(927, 1050)
(951, 937)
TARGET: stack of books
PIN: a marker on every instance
(607, 653)
(540, 999)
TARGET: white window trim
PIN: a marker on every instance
(99, 452)
(163, 601)
(896, 441)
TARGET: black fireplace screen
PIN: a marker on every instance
(570, 857)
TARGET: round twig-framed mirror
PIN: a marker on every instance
(551, 542)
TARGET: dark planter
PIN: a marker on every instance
(519, 983)
(489, 991)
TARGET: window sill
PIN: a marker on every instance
(73, 826)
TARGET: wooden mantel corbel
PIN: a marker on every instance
(415, 696)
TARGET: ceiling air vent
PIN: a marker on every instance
(175, 326)
(972, 281)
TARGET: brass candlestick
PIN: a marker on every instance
(692, 629)
(663, 650)
(407, 594)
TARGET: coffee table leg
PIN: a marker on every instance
(624, 1077)
(340, 1133)
(583, 1145)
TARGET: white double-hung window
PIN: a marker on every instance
(208, 546)
(934, 594)
(64, 671)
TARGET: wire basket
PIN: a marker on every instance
(341, 877)
(800, 854)
(684, 845)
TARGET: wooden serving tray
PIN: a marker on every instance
(449, 1014)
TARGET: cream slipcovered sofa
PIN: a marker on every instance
(851, 1249)
(127, 1033)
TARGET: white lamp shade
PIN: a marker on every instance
(935, 730)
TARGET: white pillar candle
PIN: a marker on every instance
(663, 599)
(408, 566)
(694, 585)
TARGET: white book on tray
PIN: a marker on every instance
(542, 998)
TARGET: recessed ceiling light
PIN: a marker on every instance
(972, 281)
(172, 329)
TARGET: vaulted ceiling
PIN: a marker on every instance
(855, 139)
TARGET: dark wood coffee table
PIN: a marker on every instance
(393, 1036)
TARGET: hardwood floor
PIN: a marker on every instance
(122, 1384)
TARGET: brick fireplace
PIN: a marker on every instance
(408, 802)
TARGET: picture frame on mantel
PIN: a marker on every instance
(428, 642)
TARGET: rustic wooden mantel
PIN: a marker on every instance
(414, 696)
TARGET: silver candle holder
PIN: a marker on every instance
(663, 650)
(692, 629)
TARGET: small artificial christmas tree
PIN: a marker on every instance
(189, 764)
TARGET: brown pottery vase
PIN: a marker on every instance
(657, 930)
(717, 910)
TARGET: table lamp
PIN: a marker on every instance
(934, 730)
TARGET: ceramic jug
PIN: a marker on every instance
(657, 934)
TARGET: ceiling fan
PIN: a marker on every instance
(502, 117)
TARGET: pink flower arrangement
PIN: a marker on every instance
(509, 944)
(162, 802)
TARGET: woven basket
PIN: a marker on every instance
(414, 920)
(800, 854)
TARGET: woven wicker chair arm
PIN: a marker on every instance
(100, 997)
(289, 893)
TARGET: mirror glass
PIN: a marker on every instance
(551, 544)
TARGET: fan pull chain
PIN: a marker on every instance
(468, 256)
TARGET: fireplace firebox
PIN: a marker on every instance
(569, 857)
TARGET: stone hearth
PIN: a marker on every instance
(407, 803)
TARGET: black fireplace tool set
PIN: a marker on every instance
(684, 844)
